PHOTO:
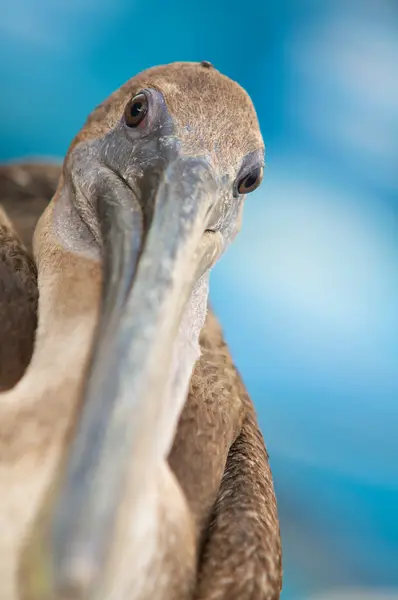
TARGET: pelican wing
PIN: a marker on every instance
(221, 462)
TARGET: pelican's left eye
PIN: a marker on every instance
(136, 109)
(251, 181)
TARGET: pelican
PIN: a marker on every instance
(132, 466)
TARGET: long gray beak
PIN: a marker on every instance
(149, 276)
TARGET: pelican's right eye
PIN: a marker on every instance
(136, 110)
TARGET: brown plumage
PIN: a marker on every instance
(218, 454)
(25, 191)
(18, 305)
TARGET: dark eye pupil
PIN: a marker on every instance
(250, 180)
(136, 109)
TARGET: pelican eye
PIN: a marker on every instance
(251, 181)
(136, 110)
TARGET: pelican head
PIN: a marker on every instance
(153, 186)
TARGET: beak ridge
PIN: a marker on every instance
(148, 280)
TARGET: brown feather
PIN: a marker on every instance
(18, 305)
(25, 191)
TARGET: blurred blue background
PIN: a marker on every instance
(308, 294)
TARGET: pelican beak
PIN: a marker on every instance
(151, 265)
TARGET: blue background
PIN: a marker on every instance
(308, 293)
